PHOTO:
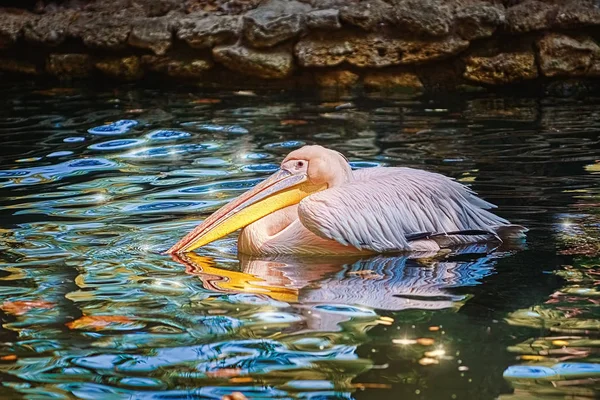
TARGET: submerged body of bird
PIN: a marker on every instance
(316, 204)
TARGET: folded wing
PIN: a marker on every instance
(383, 209)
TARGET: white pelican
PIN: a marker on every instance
(316, 204)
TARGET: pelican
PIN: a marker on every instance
(315, 204)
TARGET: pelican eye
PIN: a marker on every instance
(300, 164)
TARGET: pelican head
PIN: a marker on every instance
(303, 172)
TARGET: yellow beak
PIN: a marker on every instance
(280, 190)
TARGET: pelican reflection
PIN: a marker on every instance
(379, 282)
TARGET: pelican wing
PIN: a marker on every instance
(383, 209)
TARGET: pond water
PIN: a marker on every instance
(95, 183)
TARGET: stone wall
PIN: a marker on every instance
(343, 43)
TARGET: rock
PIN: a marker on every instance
(126, 68)
(323, 4)
(428, 17)
(328, 19)
(69, 65)
(274, 22)
(574, 14)
(158, 8)
(372, 49)
(184, 69)
(205, 33)
(563, 55)
(11, 26)
(336, 78)
(49, 29)
(478, 21)
(391, 78)
(531, 15)
(152, 34)
(229, 7)
(502, 68)
(101, 31)
(268, 64)
(18, 66)
(368, 15)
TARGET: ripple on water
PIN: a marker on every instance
(167, 134)
(277, 317)
(219, 187)
(59, 154)
(142, 383)
(211, 162)
(205, 172)
(44, 174)
(345, 310)
(288, 144)
(234, 129)
(258, 156)
(365, 164)
(269, 168)
(74, 139)
(114, 128)
(170, 206)
(29, 159)
(172, 150)
(117, 144)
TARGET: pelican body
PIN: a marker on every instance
(315, 204)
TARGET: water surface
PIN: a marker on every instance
(96, 183)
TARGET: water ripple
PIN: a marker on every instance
(114, 128)
(170, 151)
(166, 134)
(45, 174)
(116, 144)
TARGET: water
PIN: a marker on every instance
(90, 308)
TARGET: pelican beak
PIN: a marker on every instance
(280, 190)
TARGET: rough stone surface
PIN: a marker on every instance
(158, 8)
(274, 22)
(562, 55)
(207, 32)
(429, 17)
(478, 20)
(125, 68)
(503, 68)
(391, 78)
(69, 65)
(49, 29)
(455, 43)
(372, 50)
(263, 63)
(531, 15)
(11, 26)
(183, 69)
(101, 31)
(151, 33)
(328, 19)
(336, 78)
(576, 14)
(368, 15)
(229, 7)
